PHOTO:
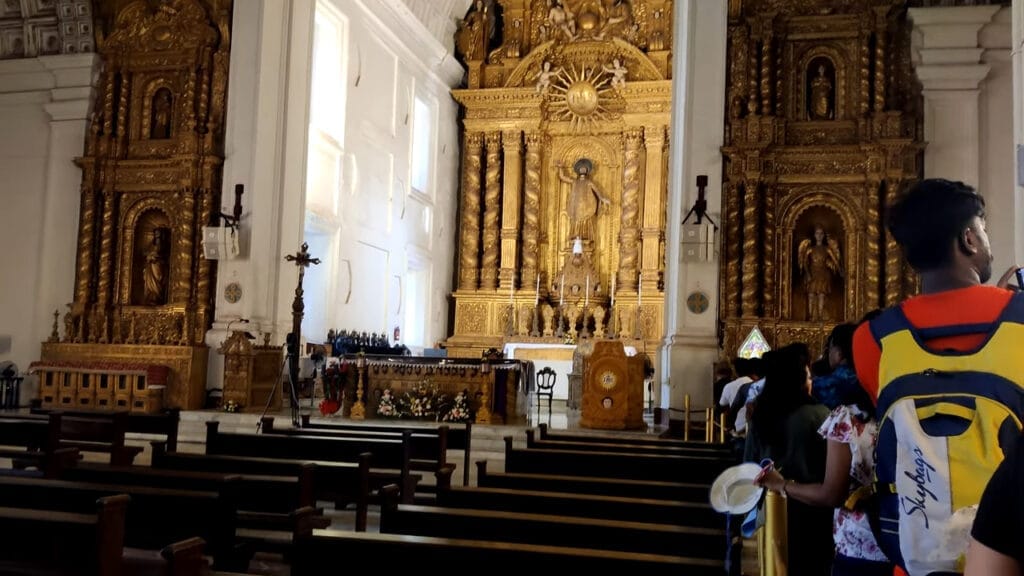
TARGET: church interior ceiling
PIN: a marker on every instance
(823, 130)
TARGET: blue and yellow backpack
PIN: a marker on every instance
(945, 421)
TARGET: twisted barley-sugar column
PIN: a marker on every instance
(531, 210)
(751, 278)
(469, 271)
(492, 205)
(893, 257)
(629, 247)
(106, 268)
(108, 101)
(880, 70)
(766, 74)
(183, 261)
(734, 240)
(768, 257)
(872, 264)
(752, 102)
(204, 284)
(122, 111)
(865, 76)
(86, 236)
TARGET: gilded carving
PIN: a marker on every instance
(629, 249)
(531, 208)
(470, 244)
(492, 206)
(751, 272)
(872, 262)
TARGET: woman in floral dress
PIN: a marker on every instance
(851, 432)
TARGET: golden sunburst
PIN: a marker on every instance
(579, 95)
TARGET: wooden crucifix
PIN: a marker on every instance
(303, 260)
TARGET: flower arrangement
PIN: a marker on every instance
(422, 401)
(458, 410)
(386, 407)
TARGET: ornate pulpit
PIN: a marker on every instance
(613, 387)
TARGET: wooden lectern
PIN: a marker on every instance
(613, 387)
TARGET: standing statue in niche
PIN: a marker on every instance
(160, 122)
(583, 198)
(470, 38)
(821, 96)
(154, 275)
(819, 264)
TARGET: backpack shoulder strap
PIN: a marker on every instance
(890, 321)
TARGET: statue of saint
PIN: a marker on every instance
(160, 123)
(821, 96)
(470, 38)
(819, 263)
(559, 18)
(154, 275)
(583, 198)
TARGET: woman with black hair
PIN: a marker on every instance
(841, 381)
(850, 431)
(784, 428)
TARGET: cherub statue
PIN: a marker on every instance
(544, 76)
(618, 72)
(819, 263)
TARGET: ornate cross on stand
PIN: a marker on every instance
(303, 261)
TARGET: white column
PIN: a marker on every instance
(690, 347)
(68, 110)
(264, 134)
(948, 62)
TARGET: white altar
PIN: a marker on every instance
(558, 357)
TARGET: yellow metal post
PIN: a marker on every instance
(686, 417)
(721, 428)
(776, 558)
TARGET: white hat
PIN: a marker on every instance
(734, 491)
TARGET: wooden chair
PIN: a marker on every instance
(546, 378)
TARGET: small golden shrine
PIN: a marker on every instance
(564, 171)
(823, 131)
(151, 179)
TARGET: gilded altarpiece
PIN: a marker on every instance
(823, 130)
(151, 177)
(564, 172)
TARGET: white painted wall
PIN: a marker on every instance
(43, 107)
(365, 218)
(690, 347)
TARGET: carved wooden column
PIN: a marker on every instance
(768, 253)
(181, 290)
(752, 85)
(872, 268)
(751, 241)
(469, 246)
(204, 288)
(86, 236)
(122, 112)
(492, 199)
(766, 73)
(106, 263)
(654, 140)
(510, 200)
(893, 257)
(531, 210)
(880, 58)
(733, 240)
(629, 249)
(864, 102)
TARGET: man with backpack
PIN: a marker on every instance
(947, 375)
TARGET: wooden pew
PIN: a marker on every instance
(657, 449)
(547, 434)
(674, 512)
(460, 435)
(343, 483)
(57, 542)
(390, 460)
(320, 548)
(555, 530)
(429, 445)
(700, 469)
(155, 517)
(35, 443)
(184, 558)
(92, 432)
(165, 423)
(687, 492)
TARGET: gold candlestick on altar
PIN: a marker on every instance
(599, 322)
(359, 408)
(571, 314)
(585, 330)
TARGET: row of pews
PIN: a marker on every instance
(189, 513)
(563, 502)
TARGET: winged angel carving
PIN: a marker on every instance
(819, 264)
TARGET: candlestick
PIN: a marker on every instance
(512, 288)
(537, 302)
(586, 295)
(639, 287)
(561, 291)
(613, 291)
